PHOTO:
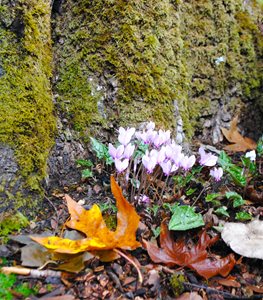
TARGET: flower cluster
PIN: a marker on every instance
(161, 150)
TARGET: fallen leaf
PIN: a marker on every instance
(196, 258)
(240, 143)
(245, 239)
(98, 236)
(229, 281)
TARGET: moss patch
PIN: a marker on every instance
(156, 52)
(10, 223)
(27, 122)
(135, 44)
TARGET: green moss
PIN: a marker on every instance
(135, 44)
(27, 122)
(10, 223)
(176, 282)
(158, 52)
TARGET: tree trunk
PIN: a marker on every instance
(188, 65)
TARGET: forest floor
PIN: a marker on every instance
(85, 276)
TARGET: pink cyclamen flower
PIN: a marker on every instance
(149, 162)
(128, 151)
(121, 165)
(161, 138)
(116, 153)
(125, 135)
(187, 162)
(143, 199)
(168, 167)
(217, 173)
(207, 159)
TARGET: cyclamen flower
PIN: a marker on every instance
(116, 153)
(173, 152)
(168, 167)
(125, 135)
(143, 199)
(128, 151)
(217, 173)
(161, 138)
(146, 136)
(251, 155)
(187, 162)
(207, 159)
(121, 165)
(149, 162)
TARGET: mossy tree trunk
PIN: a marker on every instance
(187, 65)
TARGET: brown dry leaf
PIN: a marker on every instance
(230, 281)
(240, 143)
(98, 236)
(177, 253)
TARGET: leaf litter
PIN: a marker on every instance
(78, 253)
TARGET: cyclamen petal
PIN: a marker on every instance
(207, 159)
(128, 151)
(187, 162)
(217, 173)
(166, 167)
(121, 165)
(125, 135)
(149, 163)
(116, 152)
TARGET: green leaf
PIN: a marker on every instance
(237, 175)
(212, 196)
(84, 163)
(156, 231)
(222, 211)
(250, 165)
(224, 160)
(237, 199)
(101, 151)
(140, 149)
(243, 216)
(184, 218)
(190, 191)
(234, 171)
(86, 173)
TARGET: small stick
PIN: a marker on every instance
(32, 272)
(132, 262)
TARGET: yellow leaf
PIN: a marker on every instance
(240, 143)
(98, 236)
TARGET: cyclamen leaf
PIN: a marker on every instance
(178, 253)
(184, 218)
(91, 223)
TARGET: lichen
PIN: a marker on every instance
(27, 122)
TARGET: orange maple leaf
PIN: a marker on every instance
(240, 143)
(196, 258)
(98, 235)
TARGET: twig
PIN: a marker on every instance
(191, 286)
(132, 262)
(32, 272)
